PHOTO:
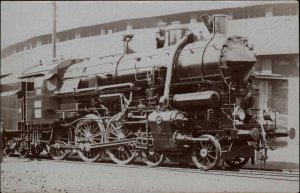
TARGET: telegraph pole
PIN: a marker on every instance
(54, 32)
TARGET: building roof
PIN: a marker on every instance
(274, 35)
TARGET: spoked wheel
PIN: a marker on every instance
(55, 148)
(24, 153)
(9, 148)
(154, 158)
(89, 131)
(8, 152)
(36, 151)
(56, 152)
(206, 154)
(237, 162)
(122, 154)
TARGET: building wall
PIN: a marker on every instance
(280, 86)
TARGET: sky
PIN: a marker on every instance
(21, 20)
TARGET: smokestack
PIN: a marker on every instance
(221, 24)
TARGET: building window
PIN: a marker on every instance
(257, 12)
(85, 33)
(28, 46)
(113, 29)
(150, 25)
(9, 52)
(95, 32)
(185, 19)
(286, 65)
(279, 96)
(167, 19)
(285, 10)
(19, 49)
(246, 13)
(138, 25)
(199, 19)
(33, 44)
(46, 41)
(240, 13)
(70, 36)
(121, 27)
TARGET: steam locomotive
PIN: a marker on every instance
(189, 98)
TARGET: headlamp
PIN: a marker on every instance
(269, 115)
(158, 120)
(239, 114)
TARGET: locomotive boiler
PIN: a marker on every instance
(189, 98)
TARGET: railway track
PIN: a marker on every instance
(261, 173)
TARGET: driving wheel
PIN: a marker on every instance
(116, 132)
(206, 153)
(89, 131)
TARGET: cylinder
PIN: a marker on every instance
(196, 100)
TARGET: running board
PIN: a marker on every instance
(87, 147)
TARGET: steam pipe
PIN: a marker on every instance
(165, 100)
(185, 138)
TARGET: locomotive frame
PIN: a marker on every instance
(188, 98)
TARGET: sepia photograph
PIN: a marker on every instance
(149, 96)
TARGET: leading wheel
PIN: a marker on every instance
(55, 149)
(36, 152)
(206, 154)
(8, 152)
(125, 153)
(24, 153)
(89, 130)
(56, 152)
(9, 147)
(154, 157)
(237, 162)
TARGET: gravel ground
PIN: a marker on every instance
(47, 176)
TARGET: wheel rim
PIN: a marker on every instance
(8, 148)
(7, 152)
(154, 158)
(37, 151)
(88, 132)
(57, 153)
(206, 154)
(237, 162)
(23, 153)
(123, 154)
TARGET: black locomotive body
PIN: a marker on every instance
(189, 98)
